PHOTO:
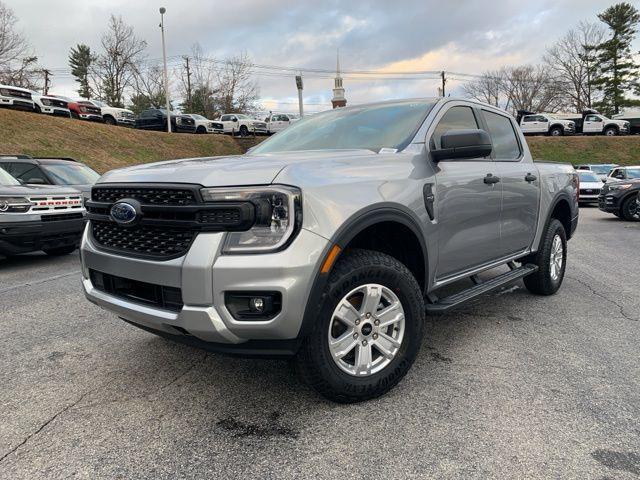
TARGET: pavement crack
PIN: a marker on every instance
(38, 282)
(600, 295)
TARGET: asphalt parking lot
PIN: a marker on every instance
(514, 386)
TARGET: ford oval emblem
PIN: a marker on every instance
(123, 213)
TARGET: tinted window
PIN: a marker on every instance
(6, 179)
(503, 136)
(369, 127)
(225, 118)
(457, 118)
(633, 172)
(588, 177)
(148, 113)
(71, 174)
(28, 173)
(592, 118)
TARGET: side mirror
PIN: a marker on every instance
(234, 120)
(461, 144)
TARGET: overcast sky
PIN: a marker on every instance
(467, 36)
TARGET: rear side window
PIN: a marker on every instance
(456, 118)
(503, 136)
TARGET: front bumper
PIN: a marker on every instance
(55, 111)
(609, 203)
(126, 122)
(16, 103)
(91, 117)
(184, 128)
(204, 275)
(29, 236)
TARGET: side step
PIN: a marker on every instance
(480, 288)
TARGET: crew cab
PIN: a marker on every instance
(276, 122)
(240, 124)
(62, 171)
(42, 217)
(50, 105)
(544, 124)
(593, 123)
(113, 115)
(333, 240)
(204, 125)
(156, 119)
(16, 98)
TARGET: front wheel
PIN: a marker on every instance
(630, 210)
(611, 132)
(551, 261)
(556, 132)
(368, 330)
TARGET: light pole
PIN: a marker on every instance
(166, 75)
(299, 85)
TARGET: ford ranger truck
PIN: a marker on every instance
(39, 217)
(332, 241)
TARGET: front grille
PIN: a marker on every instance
(56, 217)
(10, 92)
(58, 103)
(589, 191)
(155, 242)
(145, 195)
(160, 296)
(221, 217)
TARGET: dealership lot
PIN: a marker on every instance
(511, 386)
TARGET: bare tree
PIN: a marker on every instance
(486, 88)
(236, 91)
(18, 64)
(573, 61)
(115, 68)
(198, 77)
(530, 87)
(148, 88)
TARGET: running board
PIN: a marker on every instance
(480, 288)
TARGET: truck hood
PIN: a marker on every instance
(224, 171)
(31, 190)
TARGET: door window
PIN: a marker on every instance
(529, 118)
(592, 118)
(503, 136)
(456, 118)
(225, 118)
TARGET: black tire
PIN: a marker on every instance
(58, 251)
(36, 108)
(314, 361)
(201, 130)
(611, 131)
(75, 115)
(244, 131)
(110, 120)
(556, 132)
(542, 282)
(629, 210)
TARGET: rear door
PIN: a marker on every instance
(520, 184)
(467, 206)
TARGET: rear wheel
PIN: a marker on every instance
(54, 252)
(551, 261)
(368, 330)
(630, 210)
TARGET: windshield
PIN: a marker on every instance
(242, 116)
(369, 127)
(6, 179)
(70, 173)
(98, 103)
(602, 169)
(197, 117)
(633, 172)
(588, 177)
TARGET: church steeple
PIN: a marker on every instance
(338, 99)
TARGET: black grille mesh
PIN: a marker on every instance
(143, 240)
(221, 217)
(146, 196)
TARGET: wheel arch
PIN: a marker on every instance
(561, 210)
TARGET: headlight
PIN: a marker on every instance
(278, 216)
(622, 186)
(14, 205)
(45, 101)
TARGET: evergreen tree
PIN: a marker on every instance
(80, 60)
(618, 71)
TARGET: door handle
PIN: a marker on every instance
(490, 179)
(530, 177)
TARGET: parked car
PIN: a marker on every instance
(65, 172)
(50, 105)
(623, 173)
(15, 97)
(156, 119)
(590, 185)
(327, 239)
(620, 198)
(633, 117)
(240, 124)
(42, 217)
(277, 122)
(593, 123)
(544, 124)
(113, 115)
(600, 169)
(82, 109)
(204, 125)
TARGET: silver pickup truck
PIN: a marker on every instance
(332, 240)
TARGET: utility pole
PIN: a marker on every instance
(186, 59)
(299, 85)
(444, 81)
(47, 83)
(166, 74)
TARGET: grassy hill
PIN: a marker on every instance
(579, 149)
(102, 147)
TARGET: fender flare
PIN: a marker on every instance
(614, 125)
(560, 196)
(348, 231)
(553, 125)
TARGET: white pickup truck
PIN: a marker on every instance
(114, 115)
(594, 123)
(544, 124)
(276, 122)
(239, 123)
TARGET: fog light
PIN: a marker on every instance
(257, 304)
(253, 306)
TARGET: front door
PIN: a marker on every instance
(467, 203)
(520, 184)
(592, 124)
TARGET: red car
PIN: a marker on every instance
(83, 109)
